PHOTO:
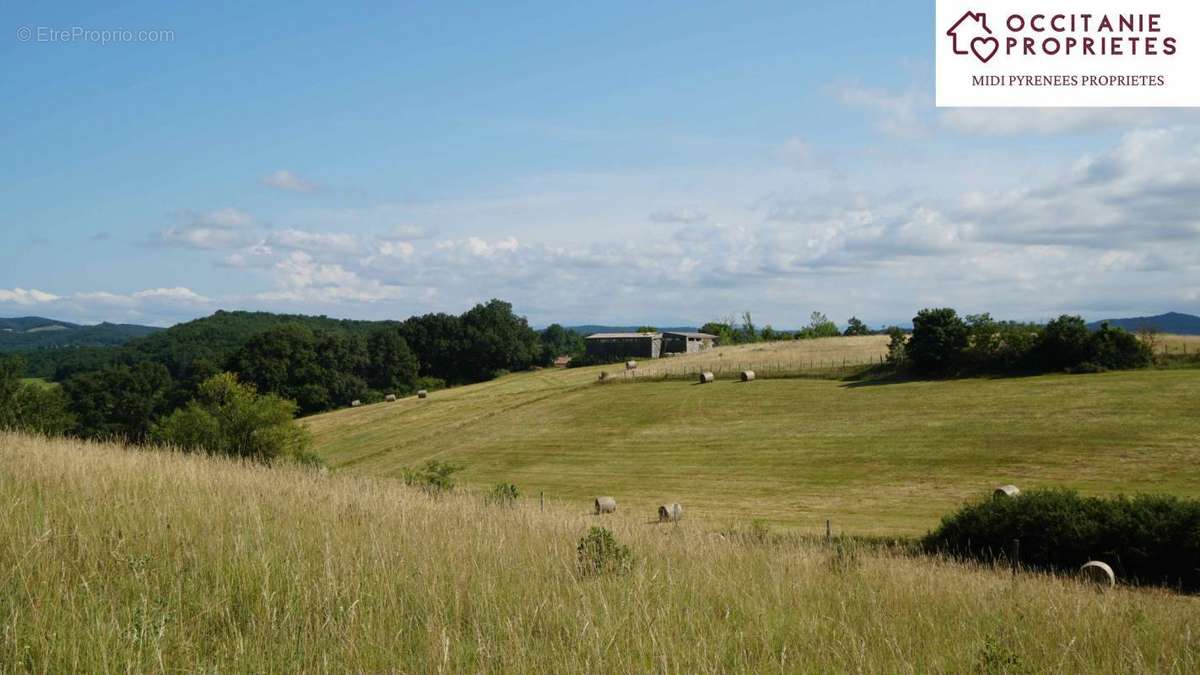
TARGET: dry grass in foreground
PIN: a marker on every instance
(120, 560)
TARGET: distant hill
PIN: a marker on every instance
(589, 329)
(1171, 322)
(35, 332)
(211, 339)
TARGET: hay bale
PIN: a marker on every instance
(747, 376)
(1006, 491)
(630, 365)
(421, 393)
(605, 505)
(390, 398)
(355, 403)
(669, 512)
(1098, 573)
(603, 375)
(706, 377)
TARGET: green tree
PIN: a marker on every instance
(819, 326)
(1063, 343)
(724, 331)
(497, 340)
(559, 341)
(393, 367)
(938, 340)
(119, 401)
(29, 406)
(855, 326)
(747, 332)
(231, 418)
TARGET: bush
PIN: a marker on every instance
(599, 553)
(1118, 349)
(504, 494)
(434, 476)
(1147, 539)
(31, 406)
(230, 418)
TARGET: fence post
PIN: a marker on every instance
(542, 499)
(828, 530)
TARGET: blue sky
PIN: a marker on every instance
(619, 162)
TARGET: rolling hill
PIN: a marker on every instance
(874, 458)
(1171, 322)
(126, 560)
(33, 332)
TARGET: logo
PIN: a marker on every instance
(1063, 53)
(984, 47)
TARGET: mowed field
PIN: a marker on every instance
(872, 458)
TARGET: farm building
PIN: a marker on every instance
(617, 346)
(562, 361)
(687, 343)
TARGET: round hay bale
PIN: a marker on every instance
(669, 512)
(706, 377)
(630, 365)
(605, 505)
(1098, 573)
(1006, 491)
(747, 376)
(421, 393)
(355, 403)
(390, 398)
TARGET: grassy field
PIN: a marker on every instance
(789, 357)
(115, 560)
(874, 459)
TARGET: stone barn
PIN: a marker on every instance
(687, 343)
(619, 346)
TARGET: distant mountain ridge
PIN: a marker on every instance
(1171, 322)
(35, 332)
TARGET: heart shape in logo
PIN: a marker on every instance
(985, 48)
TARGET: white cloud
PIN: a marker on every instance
(314, 241)
(26, 297)
(287, 181)
(221, 229)
(679, 216)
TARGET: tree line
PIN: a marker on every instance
(943, 343)
(170, 387)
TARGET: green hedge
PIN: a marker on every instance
(1147, 539)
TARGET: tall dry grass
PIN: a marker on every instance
(124, 560)
(785, 358)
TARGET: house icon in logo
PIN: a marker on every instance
(971, 35)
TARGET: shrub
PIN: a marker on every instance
(1117, 349)
(29, 406)
(1147, 539)
(599, 553)
(504, 494)
(434, 476)
(897, 354)
(230, 418)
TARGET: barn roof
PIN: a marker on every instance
(610, 336)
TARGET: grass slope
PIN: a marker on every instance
(880, 459)
(123, 561)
